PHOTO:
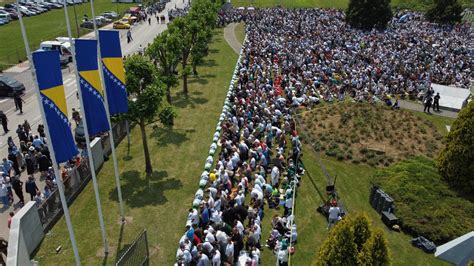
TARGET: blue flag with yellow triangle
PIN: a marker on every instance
(91, 86)
(114, 73)
(50, 83)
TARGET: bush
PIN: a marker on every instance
(445, 12)
(455, 162)
(425, 204)
(352, 240)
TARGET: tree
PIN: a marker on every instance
(445, 11)
(375, 250)
(361, 228)
(192, 34)
(164, 50)
(455, 161)
(186, 32)
(146, 93)
(339, 248)
(352, 241)
(367, 14)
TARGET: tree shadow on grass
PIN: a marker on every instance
(183, 101)
(209, 63)
(139, 190)
(165, 136)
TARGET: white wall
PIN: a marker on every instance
(26, 233)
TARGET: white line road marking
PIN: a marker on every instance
(4, 100)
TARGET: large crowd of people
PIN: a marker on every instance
(319, 56)
(296, 58)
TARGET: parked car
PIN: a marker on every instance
(110, 14)
(10, 86)
(53, 5)
(6, 17)
(121, 25)
(3, 22)
(12, 13)
(87, 24)
(103, 20)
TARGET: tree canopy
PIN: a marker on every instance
(455, 161)
(445, 11)
(146, 96)
(354, 242)
(368, 14)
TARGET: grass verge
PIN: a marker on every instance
(353, 185)
(160, 203)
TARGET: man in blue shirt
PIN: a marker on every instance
(7, 166)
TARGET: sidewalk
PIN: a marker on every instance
(142, 33)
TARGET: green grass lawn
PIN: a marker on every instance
(353, 185)
(45, 27)
(160, 204)
(413, 4)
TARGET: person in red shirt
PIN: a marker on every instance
(10, 219)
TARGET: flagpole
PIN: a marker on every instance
(49, 142)
(106, 105)
(86, 135)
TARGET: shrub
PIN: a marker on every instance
(364, 150)
(355, 161)
(375, 250)
(340, 156)
(455, 162)
(415, 186)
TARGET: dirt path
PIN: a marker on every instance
(229, 36)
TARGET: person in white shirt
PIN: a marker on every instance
(229, 251)
(203, 260)
(333, 217)
(193, 216)
(216, 257)
(275, 176)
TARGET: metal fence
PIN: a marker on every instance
(136, 254)
(75, 180)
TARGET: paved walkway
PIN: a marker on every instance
(229, 36)
(419, 107)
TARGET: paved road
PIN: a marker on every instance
(142, 34)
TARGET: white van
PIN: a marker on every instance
(5, 17)
(64, 49)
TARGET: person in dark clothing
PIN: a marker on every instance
(4, 119)
(149, 21)
(31, 187)
(41, 131)
(12, 157)
(43, 163)
(436, 102)
(30, 164)
(17, 186)
(19, 103)
(22, 135)
(428, 102)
